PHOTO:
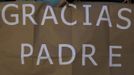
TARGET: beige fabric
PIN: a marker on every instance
(52, 35)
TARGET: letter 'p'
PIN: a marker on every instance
(23, 48)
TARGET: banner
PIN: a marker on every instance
(77, 39)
